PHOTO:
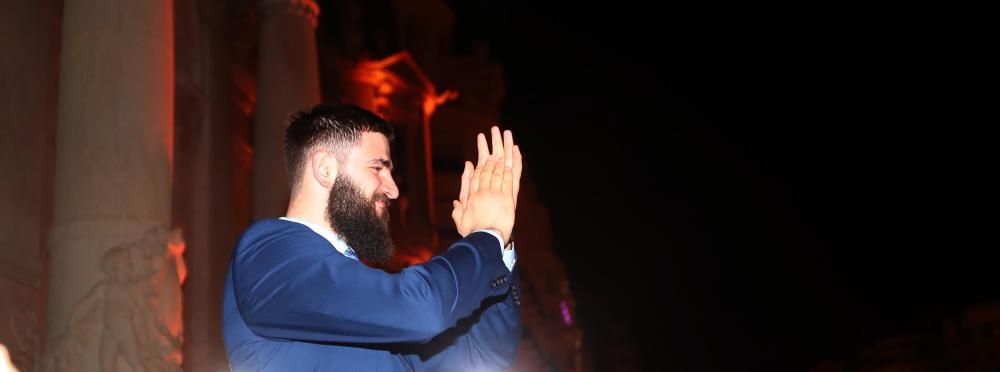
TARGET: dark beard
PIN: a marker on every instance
(355, 219)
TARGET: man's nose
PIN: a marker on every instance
(389, 188)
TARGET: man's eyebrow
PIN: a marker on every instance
(383, 162)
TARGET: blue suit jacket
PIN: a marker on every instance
(292, 302)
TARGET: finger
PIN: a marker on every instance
(516, 172)
(507, 184)
(463, 193)
(486, 175)
(497, 142)
(457, 210)
(474, 180)
(508, 149)
(496, 181)
(484, 149)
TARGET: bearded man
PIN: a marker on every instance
(297, 297)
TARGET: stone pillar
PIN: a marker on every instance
(214, 98)
(287, 81)
(114, 281)
(29, 72)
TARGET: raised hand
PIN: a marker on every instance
(488, 195)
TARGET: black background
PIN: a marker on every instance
(758, 187)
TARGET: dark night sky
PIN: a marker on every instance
(759, 187)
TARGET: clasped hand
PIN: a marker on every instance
(488, 195)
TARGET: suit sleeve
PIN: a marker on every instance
(486, 341)
(297, 287)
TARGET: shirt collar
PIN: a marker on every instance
(330, 236)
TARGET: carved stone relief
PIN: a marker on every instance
(133, 313)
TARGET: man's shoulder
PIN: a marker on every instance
(272, 225)
(268, 242)
(274, 230)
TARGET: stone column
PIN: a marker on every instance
(287, 81)
(29, 76)
(114, 281)
(214, 98)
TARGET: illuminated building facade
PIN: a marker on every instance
(141, 138)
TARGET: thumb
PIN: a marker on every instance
(458, 210)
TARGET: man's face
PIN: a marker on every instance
(359, 221)
(358, 205)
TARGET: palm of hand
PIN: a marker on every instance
(488, 196)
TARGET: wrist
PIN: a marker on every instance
(499, 233)
(509, 241)
(501, 240)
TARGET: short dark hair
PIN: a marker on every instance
(337, 127)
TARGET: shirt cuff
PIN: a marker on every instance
(509, 255)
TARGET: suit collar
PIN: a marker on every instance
(329, 235)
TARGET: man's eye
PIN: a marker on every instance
(377, 169)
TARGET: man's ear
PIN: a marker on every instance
(324, 167)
